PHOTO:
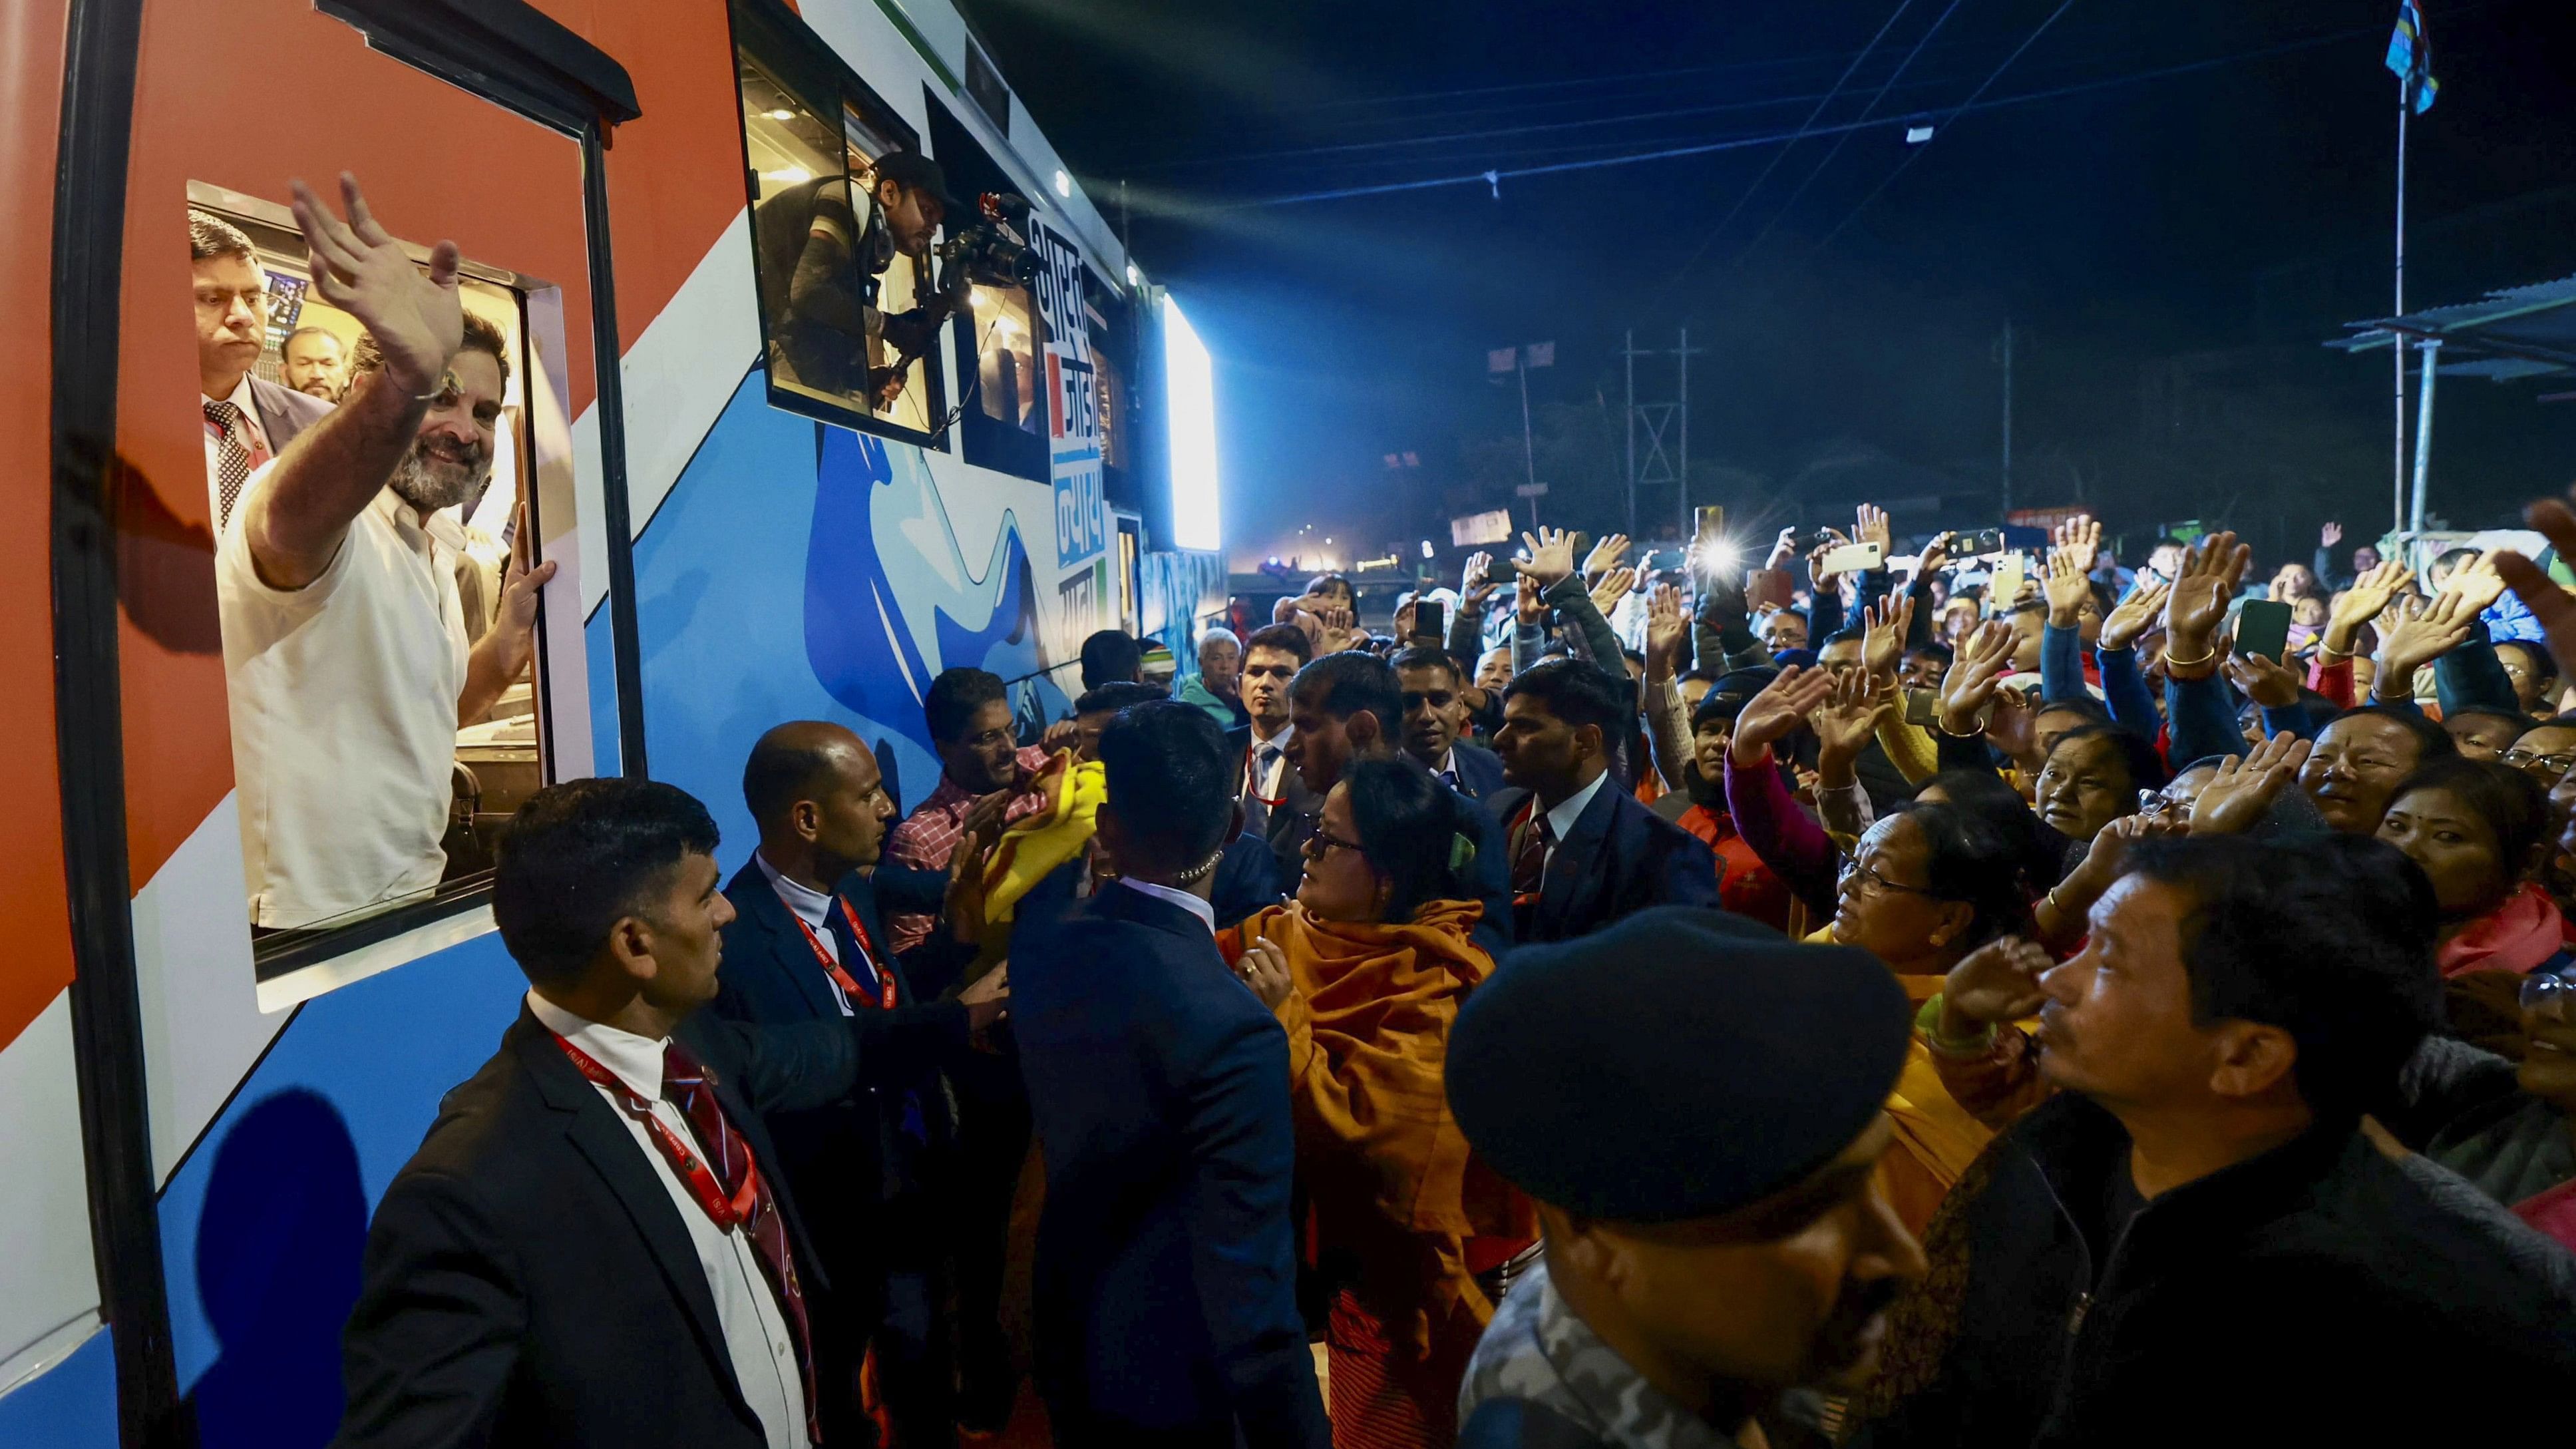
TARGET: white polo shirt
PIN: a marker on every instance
(344, 713)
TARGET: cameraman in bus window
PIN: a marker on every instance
(345, 646)
(823, 245)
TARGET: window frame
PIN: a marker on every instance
(986, 441)
(545, 478)
(797, 60)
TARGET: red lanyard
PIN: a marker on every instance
(867, 951)
(727, 1212)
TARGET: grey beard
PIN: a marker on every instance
(429, 484)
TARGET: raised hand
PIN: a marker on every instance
(2426, 633)
(1476, 586)
(2080, 540)
(2236, 798)
(1551, 556)
(1531, 609)
(1848, 719)
(2366, 600)
(2067, 587)
(2014, 729)
(2135, 614)
(1996, 983)
(1817, 573)
(1606, 555)
(2265, 681)
(2552, 605)
(1887, 623)
(1783, 549)
(418, 321)
(2211, 570)
(1871, 527)
(1935, 556)
(1340, 631)
(2477, 582)
(1970, 685)
(2330, 535)
(1615, 585)
(1777, 711)
(1668, 633)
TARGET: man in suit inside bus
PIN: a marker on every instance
(1166, 1304)
(593, 1245)
(249, 419)
(1435, 716)
(1348, 706)
(1583, 851)
(1277, 806)
(346, 656)
(808, 943)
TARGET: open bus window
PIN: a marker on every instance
(846, 296)
(1007, 382)
(378, 748)
(1001, 336)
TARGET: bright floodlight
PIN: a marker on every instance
(1189, 391)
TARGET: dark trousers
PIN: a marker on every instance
(983, 1173)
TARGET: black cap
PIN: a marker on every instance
(915, 172)
(1681, 1063)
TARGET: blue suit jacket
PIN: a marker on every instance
(1166, 1266)
(1619, 857)
(847, 1158)
(1480, 771)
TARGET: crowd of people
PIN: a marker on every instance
(1949, 999)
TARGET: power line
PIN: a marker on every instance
(1845, 138)
(2033, 39)
(1783, 153)
(1499, 174)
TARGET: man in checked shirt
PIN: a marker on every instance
(982, 783)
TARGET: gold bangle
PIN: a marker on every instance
(2173, 663)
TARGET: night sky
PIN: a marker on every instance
(2172, 236)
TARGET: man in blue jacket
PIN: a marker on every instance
(1166, 1273)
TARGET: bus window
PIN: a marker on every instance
(842, 254)
(365, 787)
(1001, 342)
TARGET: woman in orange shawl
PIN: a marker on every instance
(1366, 970)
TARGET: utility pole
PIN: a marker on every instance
(1628, 357)
(2397, 342)
(1666, 456)
(1682, 357)
(2008, 429)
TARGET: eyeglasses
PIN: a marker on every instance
(2522, 759)
(1321, 844)
(1871, 879)
(2550, 996)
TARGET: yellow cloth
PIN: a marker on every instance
(1390, 1174)
(1936, 1138)
(1030, 850)
(1910, 748)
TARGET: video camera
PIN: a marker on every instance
(992, 251)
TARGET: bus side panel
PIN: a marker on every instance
(262, 1228)
(803, 571)
(51, 1347)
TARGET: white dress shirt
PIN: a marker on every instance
(1562, 818)
(758, 1337)
(1268, 777)
(815, 909)
(1206, 913)
(343, 697)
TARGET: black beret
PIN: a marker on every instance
(1680, 1063)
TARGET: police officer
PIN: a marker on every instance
(1694, 1102)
